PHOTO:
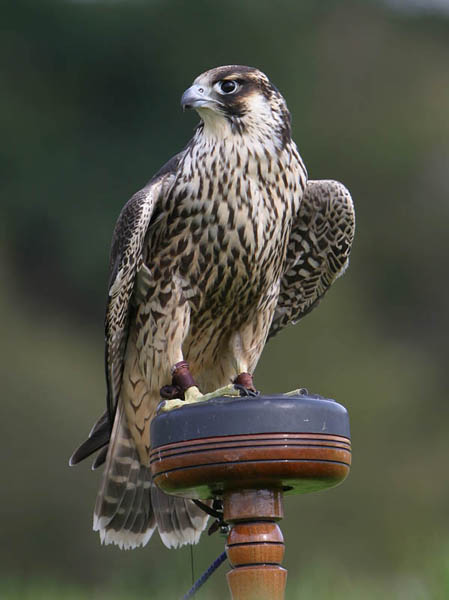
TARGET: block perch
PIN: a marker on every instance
(250, 452)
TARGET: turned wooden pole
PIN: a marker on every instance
(255, 545)
(249, 452)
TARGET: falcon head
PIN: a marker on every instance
(240, 101)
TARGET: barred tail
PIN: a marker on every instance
(123, 513)
(129, 507)
(179, 520)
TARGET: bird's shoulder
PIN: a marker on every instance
(137, 213)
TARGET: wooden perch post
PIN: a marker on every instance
(250, 452)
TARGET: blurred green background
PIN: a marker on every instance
(89, 110)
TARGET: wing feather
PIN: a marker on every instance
(126, 261)
(318, 250)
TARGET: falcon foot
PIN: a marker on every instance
(244, 391)
(193, 395)
(244, 382)
(170, 392)
(182, 380)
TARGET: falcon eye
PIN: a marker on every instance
(228, 86)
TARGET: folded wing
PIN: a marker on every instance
(318, 250)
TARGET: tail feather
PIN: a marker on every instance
(129, 506)
(122, 512)
(179, 520)
(141, 514)
(98, 438)
(100, 458)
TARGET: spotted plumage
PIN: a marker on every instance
(225, 246)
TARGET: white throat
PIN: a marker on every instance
(256, 134)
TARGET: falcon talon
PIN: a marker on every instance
(244, 391)
(171, 392)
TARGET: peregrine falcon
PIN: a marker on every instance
(227, 244)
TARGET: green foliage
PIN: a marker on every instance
(89, 110)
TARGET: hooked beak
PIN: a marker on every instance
(195, 97)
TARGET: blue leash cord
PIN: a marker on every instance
(205, 576)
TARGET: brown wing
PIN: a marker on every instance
(126, 259)
(318, 250)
